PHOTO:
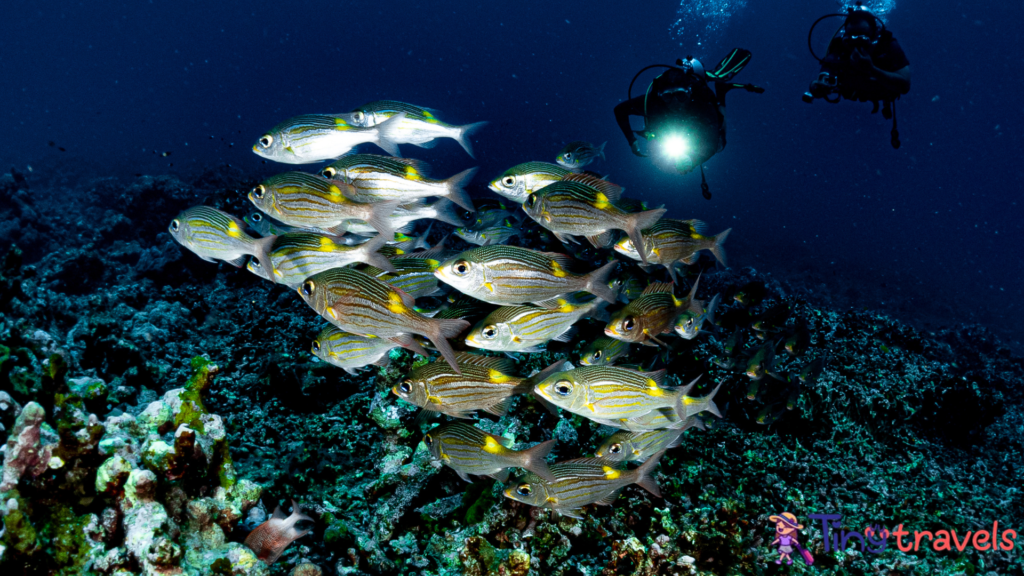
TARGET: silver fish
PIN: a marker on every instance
(528, 328)
(380, 179)
(469, 450)
(213, 235)
(419, 126)
(521, 180)
(626, 446)
(307, 200)
(351, 351)
(581, 482)
(291, 258)
(317, 137)
(506, 275)
(579, 154)
(604, 351)
(359, 303)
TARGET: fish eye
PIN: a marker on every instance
(490, 331)
(567, 155)
(316, 345)
(628, 324)
(598, 354)
(308, 287)
(259, 191)
(563, 388)
(266, 140)
(255, 262)
(428, 440)
(531, 200)
(358, 117)
(689, 322)
(524, 490)
(328, 172)
(460, 268)
(508, 181)
(175, 224)
(405, 387)
(257, 217)
(615, 448)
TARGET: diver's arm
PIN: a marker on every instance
(623, 110)
(898, 81)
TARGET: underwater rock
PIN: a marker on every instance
(25, 451)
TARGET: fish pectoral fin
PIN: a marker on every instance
(489, 287)
(571, 512)
(424, 416)
(434, 400)
(499, 409)
(464, 476)
(609, 499)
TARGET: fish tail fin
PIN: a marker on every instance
(456, 186)
(445, 209)
(718, 249)
(388, 135)
(465, 132)
(371, 253)
(645, 474)
(639, 221)
(535, 460)
(597, 282)
(709, 316)
(698, 405)
(378, 216)
(600, 150)
(440, 331)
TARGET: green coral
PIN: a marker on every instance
(19, 534)
(192, 409)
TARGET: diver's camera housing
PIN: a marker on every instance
(826, 85)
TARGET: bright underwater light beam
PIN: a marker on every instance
(676, 146)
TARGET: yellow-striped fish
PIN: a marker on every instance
(690, 321)
(308, 200)
(611, 392)
(521, 180)
(670, 241)
(626, 446)
(291, 258)
(359, 303)
(581, 482)
(582, 205)
(414, 275)
(381, 178)
(213, 235)
(351, 351)
(650, 315)
(603, 352)
(667, 417)
(317, 137)
(477, 383)
(405, 214)
(469, 450)
(528, 328)
(579, 154)
(419, 126)
(506, 275)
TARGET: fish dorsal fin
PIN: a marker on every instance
(503, 365)
(658, 288)
(612, 191)
(658, 376)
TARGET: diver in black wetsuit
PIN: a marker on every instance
(864, 62)
(683, 116)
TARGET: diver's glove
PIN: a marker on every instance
(635, 147)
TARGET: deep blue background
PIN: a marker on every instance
(931, 231)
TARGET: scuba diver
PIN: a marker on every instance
(864, 63)
(684, 119)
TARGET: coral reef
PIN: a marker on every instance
(159, 405)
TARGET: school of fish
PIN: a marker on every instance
(344, 238)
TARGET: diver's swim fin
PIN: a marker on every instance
(731, 65)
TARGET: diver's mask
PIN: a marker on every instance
(858, 40)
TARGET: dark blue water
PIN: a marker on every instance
(931, 231)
